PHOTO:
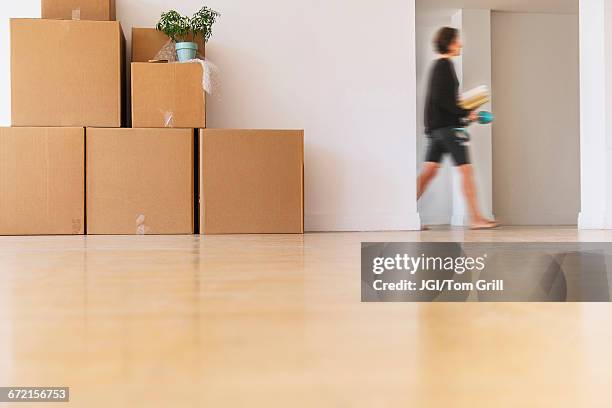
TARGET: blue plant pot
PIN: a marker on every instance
(186, 51)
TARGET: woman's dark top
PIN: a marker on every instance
(441, 108)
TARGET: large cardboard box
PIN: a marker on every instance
(251, 181)
(168, 96)
(42, 181)
(66, 73)
(102, 10)
(147, 42)
(140, 181)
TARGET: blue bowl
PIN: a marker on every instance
(484, 118)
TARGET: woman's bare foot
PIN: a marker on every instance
(484, 224)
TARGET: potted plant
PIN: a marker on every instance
(179, 28)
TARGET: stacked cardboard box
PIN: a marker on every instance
(168, 95)
(165, 95)
(251, 181)
(42, 181)
(101, 10)
(140, 181)
(67, 75)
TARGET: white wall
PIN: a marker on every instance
(342, 70)
(595, 104)
(606, 81)
(536, 137)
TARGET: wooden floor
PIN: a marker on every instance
(276, 321)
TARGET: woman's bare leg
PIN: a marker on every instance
(469, 190)
(427, 175)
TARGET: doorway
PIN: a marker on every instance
(528, 162)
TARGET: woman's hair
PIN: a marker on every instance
(444, 38)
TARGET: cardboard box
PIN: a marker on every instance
(251, 181)
(101, 10)
(168, 96)
(140, 181)
(42, 181)
(147, 42)
(66, 73)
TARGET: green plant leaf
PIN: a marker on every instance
(202, 21)
(174, 25)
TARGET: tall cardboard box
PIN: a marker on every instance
(42, 181)
(66, 73)
(101, 10)
(140, 181)
(147, 42)
(168, 95)
(251, 181)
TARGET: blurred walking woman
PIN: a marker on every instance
(443, 116)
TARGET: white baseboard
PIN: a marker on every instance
(435, 219)
(460, 220)
(365, 223)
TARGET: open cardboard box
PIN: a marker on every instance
(147, 42)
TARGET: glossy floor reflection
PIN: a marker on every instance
(276, 321)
